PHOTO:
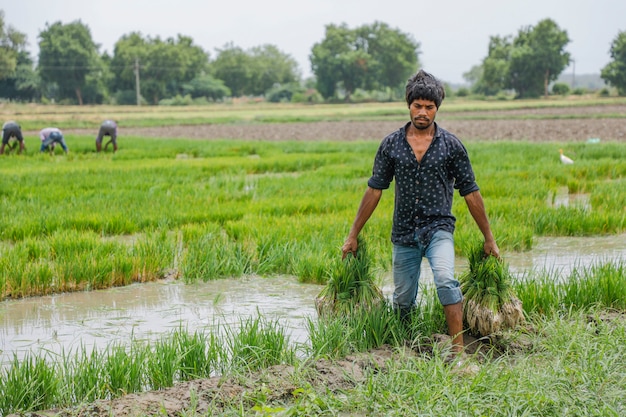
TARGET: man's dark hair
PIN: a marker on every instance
(424, 86)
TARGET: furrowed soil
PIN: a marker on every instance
(546, 125)
(278, 382)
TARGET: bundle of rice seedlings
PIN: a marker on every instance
(350, 286)
(489, 303)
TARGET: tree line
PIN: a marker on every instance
(372, 60)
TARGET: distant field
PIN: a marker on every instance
(34, 117)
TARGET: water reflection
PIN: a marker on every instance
(561, 255)
(145, 311)
(64, 322)
(563, 198)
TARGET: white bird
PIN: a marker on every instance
(565, 159)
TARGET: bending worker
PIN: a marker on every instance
(107, 128)
(11, 129)
(51, 136)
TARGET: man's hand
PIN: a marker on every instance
(491, 249)
(350, 246)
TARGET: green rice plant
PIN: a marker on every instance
(340, 335)
(364, 329)
(489, 301)
(83, 376)
(23, 276)
(124, 366)
(330, 337)
(258, 343)
(274, 256)
(153, 254)
(598, 285)
(487, 280)
(163, 363)
(539, 291)
(214, 256)
(28, 384)
(312, 266)
(428, 317)
(350, 285)
(199, 354)
(375, 327)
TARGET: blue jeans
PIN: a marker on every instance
(55, 137)
(407, 261)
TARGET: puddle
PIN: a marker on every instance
(563, 198)
(64, 322)
(563, 254)
(146, 311)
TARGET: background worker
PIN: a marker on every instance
(107, 128)
(49, 137)
(10, 130)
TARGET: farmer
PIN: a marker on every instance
(107, 128)
(427, 163)
(51, 136)
(11, 130)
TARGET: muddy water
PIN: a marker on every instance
(563, 254)
(65, 322)
(146, 311)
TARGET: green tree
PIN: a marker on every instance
(474, 75)
(369, 57)
(614, 73)
(493, 72)
(527, 63)
(128, 52)
(24, 84)
(18, 79)
(206, 86)
(11, 42)
(233, 66)
(67, 55)
(162, 67)
(193, 60)
(270, 67)
(337, 62)
(158, 68)
(537, 58)
(394, 55)
(253, 71)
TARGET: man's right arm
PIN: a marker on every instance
(369, 202)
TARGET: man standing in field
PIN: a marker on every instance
(49, 137)
(107, 128)
(10, 130)
(427, 163)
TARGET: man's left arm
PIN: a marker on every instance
(476, 206)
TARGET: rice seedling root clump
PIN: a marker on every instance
(489, 304)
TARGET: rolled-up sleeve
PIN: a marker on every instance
(382, 172)
(465, 180)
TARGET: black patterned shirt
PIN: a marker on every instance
(423, 191)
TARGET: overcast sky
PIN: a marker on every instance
(453, 34)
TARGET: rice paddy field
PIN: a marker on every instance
(223, 192)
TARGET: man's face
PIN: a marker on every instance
(422, 113)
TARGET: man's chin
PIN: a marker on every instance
(422, 125)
